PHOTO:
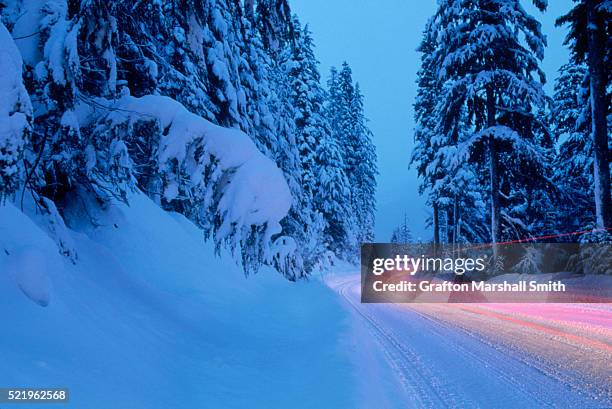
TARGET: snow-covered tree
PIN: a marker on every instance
(570, 120)
(350, 130)
(323, 181)
(570, 111)
(589, 40)
(426, 142)
(365, 169)
(402, 234)
(491, 106)
(124, 95)
(307, 98)
(332, 190)
(274, 21)
(15, 116)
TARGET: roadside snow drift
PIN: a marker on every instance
(149, 318)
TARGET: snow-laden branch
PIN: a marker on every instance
(499, 133)
(229, 187)
(15, 114)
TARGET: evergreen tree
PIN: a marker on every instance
(308, 98)
(335, 111)
(307, 224)
(275, 23)
(449, 187)
(241, 65)
(365, 168)
(350, 130)
(323, 181)
(425, 140)
(588, 38)
(491, 104)
(571, 125)
(402, 233)
(332, 190)
(15, 116)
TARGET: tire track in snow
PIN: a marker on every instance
(416, 378)
(563, 382)
(527, 380)
(509, 370)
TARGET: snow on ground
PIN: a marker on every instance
(148, 317)
(490, 355)
(570, 344)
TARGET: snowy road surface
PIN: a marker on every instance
(490, 356)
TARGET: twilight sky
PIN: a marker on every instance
(379, 38)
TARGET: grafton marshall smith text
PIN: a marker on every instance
(447, 286)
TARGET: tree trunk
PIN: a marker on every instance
(436, 224)
(596, 41)
(494, 177)
(450, 223)
(493, 172)
(455, 219)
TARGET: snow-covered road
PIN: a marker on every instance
(490, 356)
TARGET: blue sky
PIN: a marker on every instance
(379, 38)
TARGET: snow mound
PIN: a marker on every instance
(28, 256)
(31, 276)
(150, 313)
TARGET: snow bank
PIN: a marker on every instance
(149, 318)
(30, 272)
(29, 258)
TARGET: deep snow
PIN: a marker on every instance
(140, 313)
(148, 317)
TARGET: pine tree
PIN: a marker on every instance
(349, 129)
(335, 110)
(323, 179)
(274, 21)
(491, 105)
(308, 100)
(402, 233)
(450, 187)
(425, 141)
(570, 123)
(365, 168)
(332, 189)
(589, 35)
(270, 107)
(222, 60)
(241, 65)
